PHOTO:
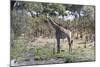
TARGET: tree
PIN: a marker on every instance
(89, 11)
(12, 4)
(58, 7)
(34, 6)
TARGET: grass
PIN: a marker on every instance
(46, 52)
(43, 53)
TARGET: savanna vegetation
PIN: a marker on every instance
(33, 39)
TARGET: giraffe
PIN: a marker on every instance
(61, 33)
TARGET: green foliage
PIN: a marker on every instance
(58, 7)
(76, 8)
(19, 48)
(69, 59)
(33, 6)
(18, 22)
(43, 53)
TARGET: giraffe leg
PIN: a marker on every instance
(58, 45)
(70, 45)
(69, 48)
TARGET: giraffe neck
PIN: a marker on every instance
(56, 26)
